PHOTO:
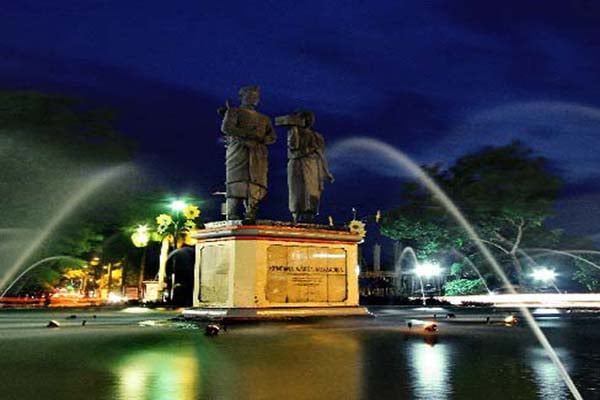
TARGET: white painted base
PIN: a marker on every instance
(271, 271)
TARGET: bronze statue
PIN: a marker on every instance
(307, 165)
(247, 134)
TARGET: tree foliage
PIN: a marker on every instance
(48, 144)
(49, 147)
(463, 287)
(505, 192)
(587, 275)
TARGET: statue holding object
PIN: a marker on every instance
(307, 166)
(247, 135)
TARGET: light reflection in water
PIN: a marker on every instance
(430, 368)
(159, 374)
(548, 379)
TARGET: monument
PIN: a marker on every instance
(247, 135)
(259, 269)
(307, 165)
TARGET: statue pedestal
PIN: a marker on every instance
(274, 270)
(153, 291)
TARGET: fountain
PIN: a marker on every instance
(33, 266)
(472, 265)
(404, 162)
(92, 185)
(569, 253)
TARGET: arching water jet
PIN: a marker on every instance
(33, 266)
(404, 162)
(91, 186)
(472, 265)
(569, 254)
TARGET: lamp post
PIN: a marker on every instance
(171, 228)
(140, 239)
(177, 206)
(426, 269)
(84, 280)
(95, 262)
(545, 275)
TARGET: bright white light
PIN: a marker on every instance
(546, 311)
(136, 310)
(430, 369)
(142, 228)
(428, 269)
(544, 274)
(329, 255)
(141, 236)
(115, 298)
(177, 205)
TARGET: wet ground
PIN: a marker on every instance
(140, 354)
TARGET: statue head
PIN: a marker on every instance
(249, 95)
(309, 118)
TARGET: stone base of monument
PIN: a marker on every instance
(275, 270)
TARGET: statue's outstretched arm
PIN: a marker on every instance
(270, 135)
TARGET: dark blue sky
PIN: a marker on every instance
(435, 79)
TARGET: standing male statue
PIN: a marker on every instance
(247, 134)
(307, 165)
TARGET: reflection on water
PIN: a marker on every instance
(159, 374)
(550, 384)
(366, 359)
(430, 369)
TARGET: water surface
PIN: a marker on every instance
(115, 357)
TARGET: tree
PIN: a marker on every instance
(463, 287)
(421, 222)
(49, 145)
(587, 276)
(506, 193)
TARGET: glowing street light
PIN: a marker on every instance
(140, 239)
(141, 236)
(178, 205)
(427, 270)
(545, 275)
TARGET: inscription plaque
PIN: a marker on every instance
(304, 274)
(215, 261)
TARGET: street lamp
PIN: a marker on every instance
(94, 263)
(84, 280)
(178, 205)
(545, 275)
(140, 239)
(140, 236)
(427, 270)
(171, 228)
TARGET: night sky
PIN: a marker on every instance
(436, 79)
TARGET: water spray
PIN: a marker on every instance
(405, 162)
(91, 186)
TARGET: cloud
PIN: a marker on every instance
(564, 132)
